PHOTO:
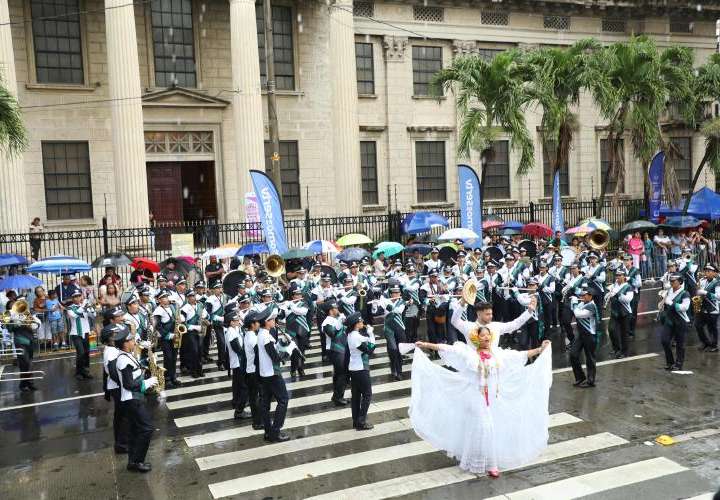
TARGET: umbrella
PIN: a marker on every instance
(596, 223)
(112, 259)
(182, 264)
(256, 247)
(422, 222)
(389, 248)
(458, 233)
(351, 254)
(513, 224)
(681, 222)
(297, 253)
(447, 252)
(12, 259)
(145, 263)
(492, 224)
(321, 246)
(638, 225)
(423, 248)
(580, 230)
(353, 239)
(19, 282)
(510, 232)
(231, 282)
(59, 264)
(223, 251)
(537, 229)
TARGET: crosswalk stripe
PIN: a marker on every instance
(301, 444)
(597, 482)
(414, 483)
(347, 462)
(218, 416)
(293, 422)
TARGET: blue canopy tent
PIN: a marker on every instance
(704, 204)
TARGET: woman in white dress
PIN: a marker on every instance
(490, 414)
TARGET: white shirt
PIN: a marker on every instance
(355, 339)
(335, 323)
(266, 363)
(189, 311)
(249, 342)
(495, 327)
(124, 359)
(79, 320)
(165, 313)
(232, 333)
(110, 353)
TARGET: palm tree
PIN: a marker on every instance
(628, 86)
(491, 97)
(706, 88)
(557, 79)
(13, 136)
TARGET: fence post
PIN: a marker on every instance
(594, 207)
(532, 212)
(307, 224)
(398, 230)
(105, 235)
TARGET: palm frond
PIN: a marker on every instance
(13, 135)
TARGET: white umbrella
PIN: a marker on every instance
(223, 252)
(458, 233)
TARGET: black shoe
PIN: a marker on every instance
(703, 348)
(266, 436)
(258, 427)
(121, 450)
(301, 372)
(339, 402)
(621, 356)
(87, 376)
(399, 376)
(280, 438)
(578, 383)
(242, 414)
(669, 367)
(712, 349)
(293, 375)
(677, 367)
(176, 383)
(32, 387)
(364, 427)
(24, 389)
(79, 377)
(139, 467)
(586, 384)
(184, 371)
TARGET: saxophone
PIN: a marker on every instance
(697, 303)
(157, 371)
(180, 330)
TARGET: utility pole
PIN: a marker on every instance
(271, 99)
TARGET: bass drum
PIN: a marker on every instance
(530, 247)
(568, 256)
(494, 252)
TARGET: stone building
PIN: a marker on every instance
(158, 104)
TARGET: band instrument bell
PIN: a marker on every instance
(598, 239)
(275, 266)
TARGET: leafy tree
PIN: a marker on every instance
(13, 135)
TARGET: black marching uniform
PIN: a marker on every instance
(360, 344)
(675, 322)
(587, 340)
(273, 385)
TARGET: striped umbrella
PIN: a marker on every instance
(321, 246)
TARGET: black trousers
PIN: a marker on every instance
(82, 354)
(678, 333)
(548, 313)
(634, 306)
(435, 331)
(120, 420)
(620, 333)
(183, 351)
(24, 360)
(411, 327)
(706, 326)
(530, 335)
(297, 362)
(252, 381)
(169, 359)
(599, 299)
(587, 343)
(239, 389)
(557, 311)
(273, 387)
(341, 375)
(566, 318)
(394, 352)
(192, 359)
(35, 247)
(140, 429)
(222, 359)
(319, 318)
(361, 390)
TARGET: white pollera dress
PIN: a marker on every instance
(491, 413)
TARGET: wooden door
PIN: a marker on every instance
(165, 197)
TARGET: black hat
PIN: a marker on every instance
(353, 320)
(200, 284)
(575, 265)
(120, 333)
(162, 278)
(250, 318)
(108, 333)
(132, 299)
(480, 268)
(676, 277)
(434, 250)
(115, 311)
(627, 256)
(620, 272)
(558, 257)
(243, 297)
(163, 294)
(348, 278)
(216, 284)
(354, 264)
(231, 316)
(394, 288)
(327, 306)
(295, 289)
(593, 255)
(433, 272)
(461, 254)
(146, 292)
(190, 292)
(585, 290)
(266, 293)
(532, 281)
(542, 264)
(230, 307)
(265, 314)
(325, 277)
(492, 263)
(181, 281)
(76, 293)
(710, 267)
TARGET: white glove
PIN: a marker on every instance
(171, 336)
(145, 344)
(573, 300)
(151, 382)
(369, 329)
(514, 289)
(702, 292)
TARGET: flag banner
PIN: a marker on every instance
(252, 215)
(558, 218)
(271, 213)
(470, 205)
(656, 175)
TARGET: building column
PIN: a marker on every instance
(344, 102)
(247, 100)
(13, 208)
(128, 142)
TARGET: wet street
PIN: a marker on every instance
(57, 443)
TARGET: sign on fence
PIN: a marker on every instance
(182, 244)
(252, 216)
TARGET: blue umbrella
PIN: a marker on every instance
(253, 248)
(422, 222)
(513, 224)
(423, 248)
(681, 222)
(59, 264)
(351, 254)
(19, 282)
(510, 232)
(12, 259)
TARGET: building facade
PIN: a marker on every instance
(159, 106)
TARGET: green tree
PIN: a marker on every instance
(492, 97)
(13, 136)
(706, 89)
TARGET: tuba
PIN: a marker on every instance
(21, 312)
(598, 239)
(275, 266)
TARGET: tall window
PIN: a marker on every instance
(365, 69)
(173, 43)
(605, 164)
(282, 45)
(66, 170)
(430, 171)
(368, 165)
(549, 153)
(681, 161)
(56, 38)
(497, 178)
(426, 62)
(289, 172)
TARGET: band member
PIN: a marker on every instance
(347, 297)
(675, 321)
(546, 288)
(177, 294)
(688, 269)
(336, 340)
(273, 385)
(323, 294)
(215, 306)
(251, 325)
(135, 319)
(133, 385)
(634, 279)
(361, 343)
(411, 293)
(595, 278)
(147, 306)
(22, 331)
(588, 320)
(165, 319)
(515, 274)
(237, 364)
(433, 263)
(558, 271)
(621, 296)
(111, 387)
(193, 314)
(533, 331)
(435, 296)
(298, 328)
(706, 321)
(79, 317)
(393, 327)
(497, 295)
